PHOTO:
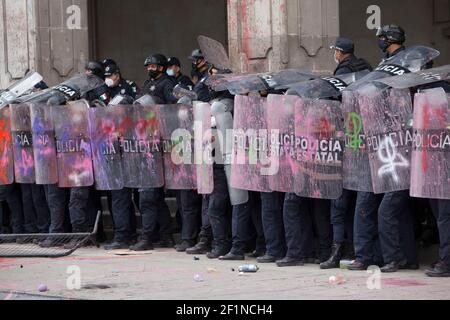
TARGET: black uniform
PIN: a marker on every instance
(352, 64)
(161, 88)
(201, 89)
(184, 81)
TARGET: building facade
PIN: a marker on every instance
(57, 37)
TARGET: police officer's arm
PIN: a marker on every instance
(168, 92)
(342, 71)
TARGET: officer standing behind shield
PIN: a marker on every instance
(153, 204)
(122, 200)
(343, 209)
(389, 215)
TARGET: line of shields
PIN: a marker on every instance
(374, 141)
(112, 148)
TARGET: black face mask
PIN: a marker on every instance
(153, 74)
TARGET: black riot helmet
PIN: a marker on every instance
(392, 33)
(158, 59)
(95, 67)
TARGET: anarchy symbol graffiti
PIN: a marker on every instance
(391, 158)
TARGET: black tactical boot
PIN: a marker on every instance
(145, 244)
(200, 248)
(335, 259)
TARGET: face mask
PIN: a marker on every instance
(171, 73)
(153, 74)
(109, 82)
(336, 60)
(383, 45)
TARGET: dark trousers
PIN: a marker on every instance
(13, 197)
(206, 229)
(79, 208)
(273, 224)
(121, 201)
(219, 210)
(35, 209)
(301, 217)
(366, 241)
(441, 210)
(343, 216)
(243, 216)
(396, 228)
(190, 203)
(57, 200)
(155, 211)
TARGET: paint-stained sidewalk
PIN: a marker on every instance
(165, 274)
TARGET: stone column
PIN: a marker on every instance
(270, 35)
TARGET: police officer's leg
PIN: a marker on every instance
(205, 236)
(294, 209)
(13, 197)
(218, 211)
(164, 221)
(408, 245)
(57, 201)
(149, 205)
(78, 205)
(321, 210)
(442, 269)
(257, 223)
(42, 209)
(240, 229)
(366, 229)
(121, 212)
(273, 225)
(190, 208)
(390, 214)
(338, 215)
(29, 212)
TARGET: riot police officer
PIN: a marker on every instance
(388, 214)
(343, 209)
(174, 72)
(344, 56)
(121, 200)
(95, 68)
(153, 205)
(200, 73)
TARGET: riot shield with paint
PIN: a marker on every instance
(356, 158)
(214, 52)
(418, 78)
(141, 147)
(319, 149)
(282, 152)
(177, 130)
(70, 90)
(44, 144)
(387, 119)
(410, 60)
(22, 144)
(223, 118)
(243, 84)
(325, 87)
(6, 148)
(203, 147)
(73, 145)
(19, 88)
(430, 168)
(250, 145)
(106, 148)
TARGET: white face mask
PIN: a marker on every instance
(336, 59)
(109, 82)
(171, 73)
